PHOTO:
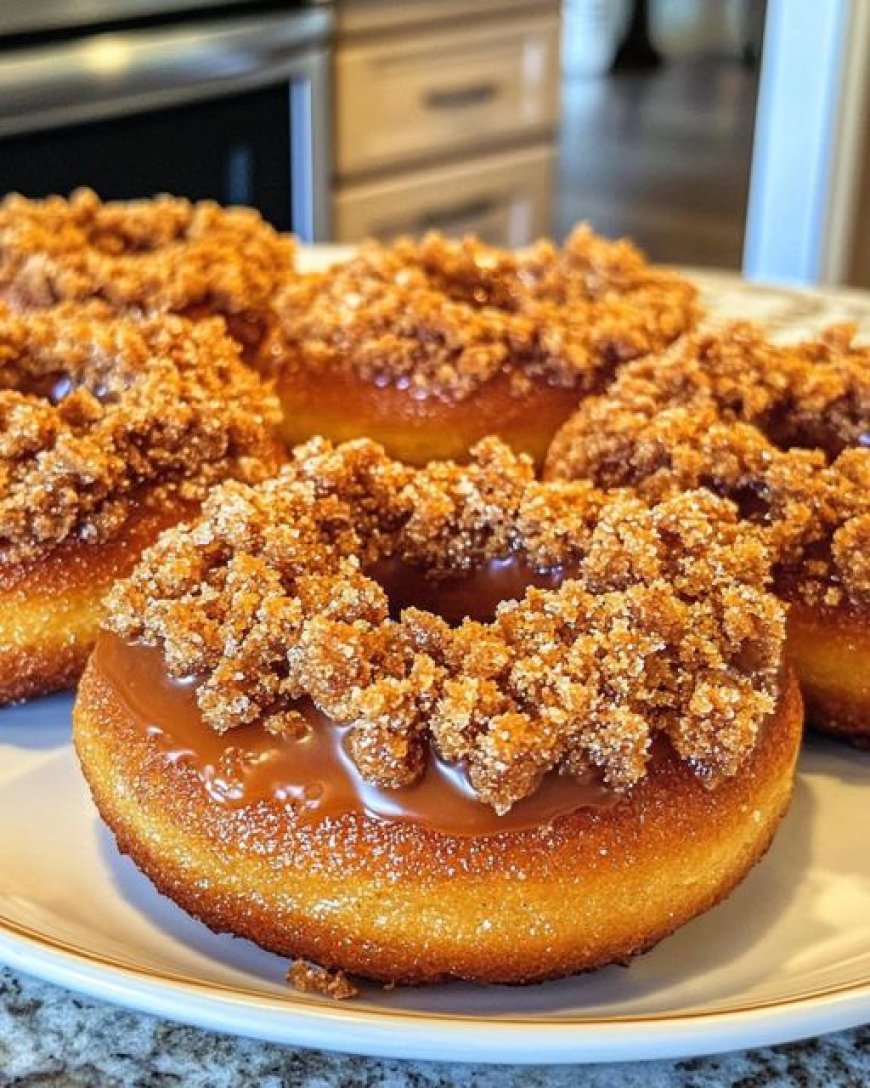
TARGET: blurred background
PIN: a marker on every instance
(714, 132)
(665, 93)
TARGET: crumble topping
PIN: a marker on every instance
(776, 428)
(443, 318)
(160, 255)
(311, 978)
(94, 408)
(665, 624)
(812, 394)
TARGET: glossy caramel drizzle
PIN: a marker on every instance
(314, 773)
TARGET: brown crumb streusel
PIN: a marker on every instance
(96, 408)
(664, 625)
(442, 318)
(781, 430)
(311, 978)
(160, 255)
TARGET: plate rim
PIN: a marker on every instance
(428, 1036)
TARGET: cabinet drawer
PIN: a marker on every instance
(505, 199)
(355, 17)
(415, 96)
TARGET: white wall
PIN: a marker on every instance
(807, 152)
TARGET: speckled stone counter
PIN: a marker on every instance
(55, 1039)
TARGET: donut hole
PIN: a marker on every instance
(473, 595)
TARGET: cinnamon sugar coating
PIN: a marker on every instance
(97, 412)
(780, 429)
(662, 625)
(442, 318)
(159, 255)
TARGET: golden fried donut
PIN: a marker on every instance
(428, 346)
(295, 744)
(164, 255)
(785, 432)
(110, 430)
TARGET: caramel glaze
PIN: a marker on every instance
(316, 400)
(314, 773)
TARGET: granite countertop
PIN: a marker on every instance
(55, 1039)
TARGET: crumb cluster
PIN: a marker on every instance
(159, 255)
(442, 318)
(664, 626)
(96, 408)
(782, 430)
(311, 978)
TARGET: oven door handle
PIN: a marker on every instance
(107, 75)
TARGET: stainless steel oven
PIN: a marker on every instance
(134, 97)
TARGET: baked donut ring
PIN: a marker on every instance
(110, 430)
(785, 432)
(296, 752)
(428, 346)
(164, 255)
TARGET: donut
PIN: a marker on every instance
(428, 346)
(165, 255)
(784, 430)
(110, 430)
(443, 722)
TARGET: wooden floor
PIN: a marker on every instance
(662, 157)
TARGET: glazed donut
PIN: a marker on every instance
(428, 346)
(110, 430)
(785, 432)
(164, 255)
(422, 723)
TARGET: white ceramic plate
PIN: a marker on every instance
(788, 955)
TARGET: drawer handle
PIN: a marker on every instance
(440, 220)
(443, 219)
(475, 94)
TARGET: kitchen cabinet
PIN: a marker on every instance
(445, 118)
(504, 198)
